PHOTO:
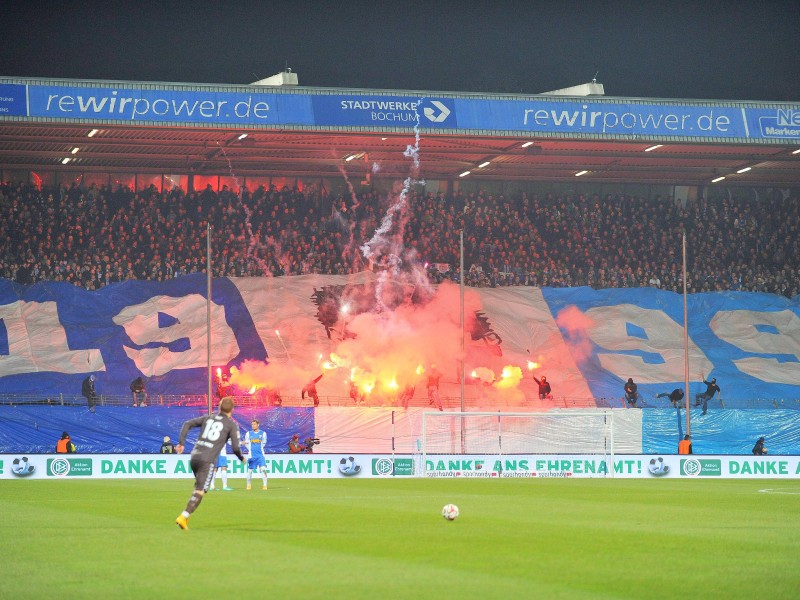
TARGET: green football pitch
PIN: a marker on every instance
(385, 538)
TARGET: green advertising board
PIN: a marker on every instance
(69, 467)
(398, 467)
(701, 467)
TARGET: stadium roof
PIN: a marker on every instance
(161, 149)
(314, 151)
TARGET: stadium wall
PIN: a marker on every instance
(118, 430)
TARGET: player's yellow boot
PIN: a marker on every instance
(248, 486)
(182, 522)
(263, 487)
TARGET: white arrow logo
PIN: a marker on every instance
(444, 112)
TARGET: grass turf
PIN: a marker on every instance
(381, 538)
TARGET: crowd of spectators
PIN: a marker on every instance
(93, 236)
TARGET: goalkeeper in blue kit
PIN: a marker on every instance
(256, 442)
(215, 431)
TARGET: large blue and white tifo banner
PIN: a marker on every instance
(587, 342)
(76, 467)
(544, 115)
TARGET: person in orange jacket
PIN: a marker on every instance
(65, 445)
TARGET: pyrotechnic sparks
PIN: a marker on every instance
(386, 247)
(285, 349)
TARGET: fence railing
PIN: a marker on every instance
(448, 402)
(721, 402)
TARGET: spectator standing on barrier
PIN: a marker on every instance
(759, 449)
(711, 389)
(544, 387)
(88, 392)
(224, 387)
(167, 447)
(215, 431)
(311, 389)
(273, 396)
(357, 395)
(675, 396)
(685, 445)
(631, 393)
(138, 391)
(65, 445)
(434, 377)
(406, 395)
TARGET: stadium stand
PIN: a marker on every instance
(93, 236)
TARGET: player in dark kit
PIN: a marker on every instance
(215, 431)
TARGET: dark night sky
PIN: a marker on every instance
(739, 50)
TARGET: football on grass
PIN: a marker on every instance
(450, 511)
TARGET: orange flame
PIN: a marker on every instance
(510, 377)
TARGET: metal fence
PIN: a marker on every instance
(721, 402)
(448, 402)
(102, 400)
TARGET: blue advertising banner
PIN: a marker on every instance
(601, 117)
(172, 106)
(774, 123)
(541, 115)
(12, 100)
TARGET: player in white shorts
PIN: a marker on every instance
(221, 470)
